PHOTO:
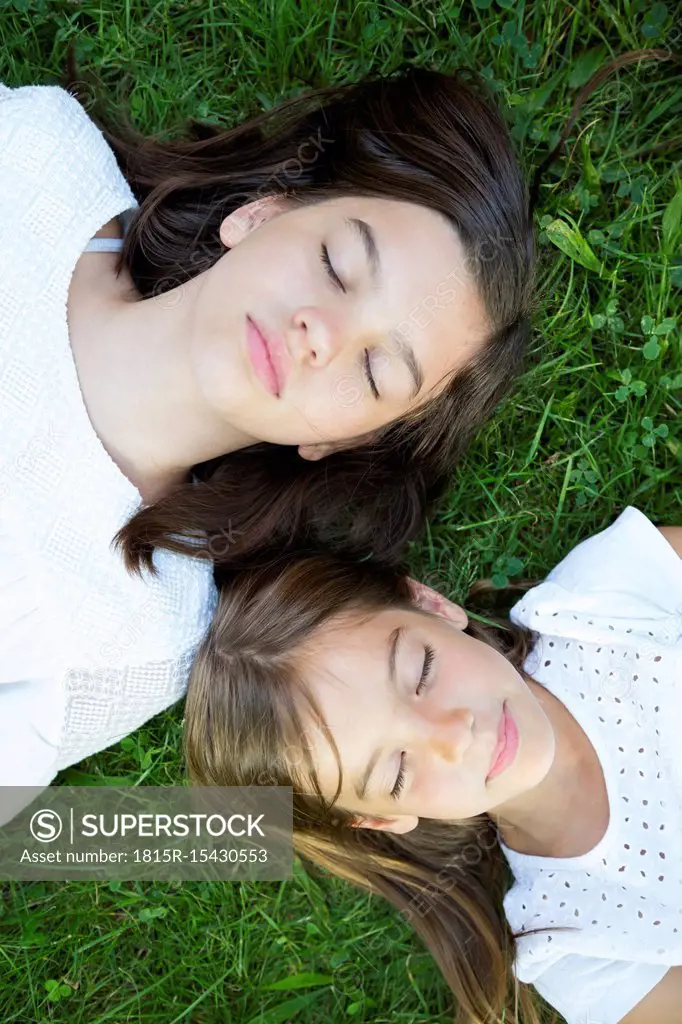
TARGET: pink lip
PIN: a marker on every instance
(262, 358)
(507, 744)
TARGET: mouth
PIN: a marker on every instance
(507, 744)
(261, 357)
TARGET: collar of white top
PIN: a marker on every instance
(111, 244)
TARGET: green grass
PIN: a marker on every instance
(593, 426)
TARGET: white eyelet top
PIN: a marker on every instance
(88, 652)
(609, 619)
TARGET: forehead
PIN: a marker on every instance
(341, 645)
(429, 290)
(346, 663)
(398, 227)
(345, 670)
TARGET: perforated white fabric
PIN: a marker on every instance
(609, 619)
(87, 651)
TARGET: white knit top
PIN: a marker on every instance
(609, 619)
(87, 651)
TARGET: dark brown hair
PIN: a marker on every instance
(246, 718)
(419, 136)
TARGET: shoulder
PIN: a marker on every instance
(132, 622)
(630, 549)
(105, 704)
(627, 571)
(38, 98)
(49, 141)
(673, 535)
(36, 106)
(662, 1004)
(592, 990)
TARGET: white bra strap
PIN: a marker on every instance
(104, 245)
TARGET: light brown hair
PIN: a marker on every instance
(247, 715)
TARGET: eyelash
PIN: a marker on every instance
(370, 378)
(400, 781)
(326, 263)
(428, 662)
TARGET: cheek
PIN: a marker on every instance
(279, 257)
(447, 790)
(265, 273)
(489, 669)
(335, 403)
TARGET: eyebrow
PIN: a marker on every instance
(364, 232)
(410, 360)
(361, 786)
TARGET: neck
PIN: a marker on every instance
(141, 395)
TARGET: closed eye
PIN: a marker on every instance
(400, 781)
(368, 374)
(326, 263)
(429, 655)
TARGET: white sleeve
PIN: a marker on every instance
(104, 705)
(54, 713)
(588, 990)
(31, 665)
(47, 724)
(28, 753)
(55, 162)
(628, 573)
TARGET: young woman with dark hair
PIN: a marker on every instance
(307, 317)
(378, 237)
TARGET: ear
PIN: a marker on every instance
(318, 451)
(430, 600)
(315, 452)
(247, 218)
(399, 824)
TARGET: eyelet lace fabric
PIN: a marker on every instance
(609, 620)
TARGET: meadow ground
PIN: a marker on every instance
(592, 427)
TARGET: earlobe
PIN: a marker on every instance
(308, 453)
(398, 825)
(320, 450)
(313, 453)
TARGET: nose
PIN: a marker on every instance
(316, 336)
(451, 735)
